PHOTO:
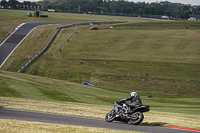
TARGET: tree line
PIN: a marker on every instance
(14, 4)
(164, 8)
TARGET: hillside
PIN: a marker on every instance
(149, 61)
(40, 94)
(135, 56)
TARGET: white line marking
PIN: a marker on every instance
(10, 35)
(16, 46)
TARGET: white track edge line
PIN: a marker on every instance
(10, 35)
(16, 46)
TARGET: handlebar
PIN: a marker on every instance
(119, 102)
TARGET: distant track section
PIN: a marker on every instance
(8, 46)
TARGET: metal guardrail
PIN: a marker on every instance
(50, 42)
(40, 53)
(152, 28)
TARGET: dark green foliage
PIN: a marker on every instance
(175, 10)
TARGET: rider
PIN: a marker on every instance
(135, 101)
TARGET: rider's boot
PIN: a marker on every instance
(117, 114)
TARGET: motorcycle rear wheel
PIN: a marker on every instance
(137, 118)
(110, 116)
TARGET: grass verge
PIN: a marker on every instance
(7, 126)
(47, 95)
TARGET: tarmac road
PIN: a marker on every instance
(11, 43)
(70, 120)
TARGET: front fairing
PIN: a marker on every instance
(115, 104)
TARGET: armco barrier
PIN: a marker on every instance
(49, 44)
(40, 53)
(169, 28)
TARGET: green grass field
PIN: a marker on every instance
(170, 57)
(114, 60)
(40, 94)
(8, 126)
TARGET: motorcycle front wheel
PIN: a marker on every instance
(110, 116)
(136, 118)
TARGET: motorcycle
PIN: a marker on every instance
(132, 114)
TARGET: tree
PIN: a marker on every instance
(149, 10)
(186, 14)
(12, 3)
(168, 13)
(113, 6)
(127, 10)
(139, 7)
(159, 11)
(4, 3)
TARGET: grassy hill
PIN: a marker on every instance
(118, 59)
(114, 60)
(40, 94)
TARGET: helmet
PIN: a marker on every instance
(133, 94)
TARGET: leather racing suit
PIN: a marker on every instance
(135, 101)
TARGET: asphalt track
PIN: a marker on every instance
(11, 43)
(87, 122)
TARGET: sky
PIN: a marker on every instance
(192, 2)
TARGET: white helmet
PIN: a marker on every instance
(133, 94)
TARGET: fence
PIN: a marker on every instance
(154, 27)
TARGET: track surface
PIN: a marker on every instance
(11, 43)
(70, 120)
